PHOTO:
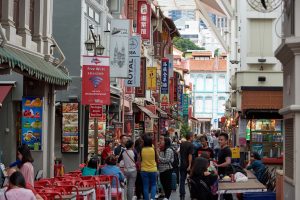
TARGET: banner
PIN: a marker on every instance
(180, 98)
(32, 118)
(96, 111)
(164, 89)
(70, 128)
(95, 80)
(144, 19)
(119, 48)
(151, 78)
(134, 62)
(171, 70)
(141, 91)
(185, 105)
(129, 125)
(171, 91)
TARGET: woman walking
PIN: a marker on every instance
(25, 166)
(148, 168)
(165, 159)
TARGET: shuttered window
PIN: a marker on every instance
(289, 148)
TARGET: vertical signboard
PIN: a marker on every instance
(96, 111)
(32, 115)
(171, 93)
(134, 62)
(70, 128)
(141, 91)
(95, 80)
(129, 125)
(185, 105)
(119, 50)
(180, 98)
(144, 19)
(151, 78)
(164, 89)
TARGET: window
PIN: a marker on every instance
(31, 17)
(187, 26)
(84, 8)
(97, 17)
(221, 105)
(192, 81)
(208, 104)
(199, 83)
(199, 104)
(91, 12)
(221, 83)
(209, 83)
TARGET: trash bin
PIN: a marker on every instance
(259, 196)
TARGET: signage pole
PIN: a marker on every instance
(96, 135)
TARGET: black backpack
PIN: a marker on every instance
(234, 168)
(175, 162)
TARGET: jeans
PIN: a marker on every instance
(183, 175)
(166, 181)
(149, 177)
(139, 185)
(131, 177)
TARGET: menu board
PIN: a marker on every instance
(70, 128)
(101, 136)
(32, 110)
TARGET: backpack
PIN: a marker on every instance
(234, 168)
(175, 162)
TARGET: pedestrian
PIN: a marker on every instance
(107, 151)
(138, 183)
(130, 170)
(205, 148)
(148, 168)
(224, 159)
(197, 145)
(202, 180)
(216, 145)
(119, 149)
(186, 156)
(256, 165)
(26, 167)
(17, 188)
(92, 167)
(165, 159)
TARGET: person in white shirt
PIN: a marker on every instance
(130, 170)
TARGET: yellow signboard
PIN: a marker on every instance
(151, 78)
(235, 152)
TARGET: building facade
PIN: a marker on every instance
(177, 14)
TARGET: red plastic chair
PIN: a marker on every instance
(43, 183)
(74, 180)
(87, 183)
(62, 183)
(52, 195)
(86, 177)
(117, 194)
(69, 189)
(100, 191)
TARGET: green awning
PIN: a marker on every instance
(33, 65)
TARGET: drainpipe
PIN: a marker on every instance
(4, 39)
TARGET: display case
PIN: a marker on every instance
(265, 137)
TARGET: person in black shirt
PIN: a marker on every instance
(186, 156)
(205, 148)
(119, 150)
(224, 159)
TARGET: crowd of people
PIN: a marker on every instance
(145, 168)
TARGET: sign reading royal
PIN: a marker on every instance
(119, 48)
(134, 62)
(95, 80)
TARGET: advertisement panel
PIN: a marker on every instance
(119, 48)
(129, 125)
(95, 80)
(144, 19)
(96, 110)
(164, 89)
(151, 78)
(141, 91)
(134, 62)
(32, 118)
(70, 128)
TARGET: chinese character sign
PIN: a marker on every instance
(95, 80)
(164, 89)
(151, 78)
(134, 62)
(185, 104)
(144, 19)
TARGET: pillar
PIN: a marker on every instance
(38, 24)
(7, 21)
(23, 29)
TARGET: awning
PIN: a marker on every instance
(4, 90)
(147, 112)
(162, 113)
(33, 65)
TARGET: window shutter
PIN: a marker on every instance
(289, 148)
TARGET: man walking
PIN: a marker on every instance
(119, 150)
(186, 156)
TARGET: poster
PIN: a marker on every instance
(119, 48)
(151, 78)
(101, 135)
(149, 123)
(118, 129)
(134, 62)
(95, 80)
(141, 91)
(70, 128)
(32, 117)
(144, 19)
(129, 124)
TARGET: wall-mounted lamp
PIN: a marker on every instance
(234, 61)
(91, 45)
(262, 60)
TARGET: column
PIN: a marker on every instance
(7, 21)
(47, 26)
(23, 29)
(38, 24)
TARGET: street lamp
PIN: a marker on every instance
(91, 45)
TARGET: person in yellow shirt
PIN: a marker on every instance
(148, 168)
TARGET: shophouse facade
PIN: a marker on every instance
(30, 78)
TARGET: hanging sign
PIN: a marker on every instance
(96, 111)
(144, 19)
(185, 104)
(134, 62)
(164, 89)
(151, 78)
(141, 91)
(95, 80)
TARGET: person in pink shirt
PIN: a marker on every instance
(16, 189)
(26, 167)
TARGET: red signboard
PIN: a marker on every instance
(95, 80)
(144, 19)
(141, 91)
(96, 110)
